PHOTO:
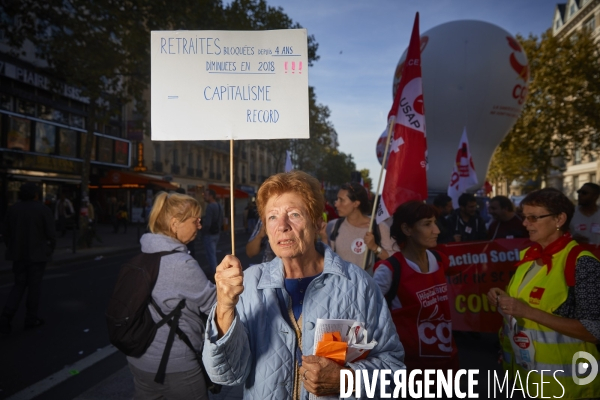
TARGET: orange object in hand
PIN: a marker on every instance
(332, 347)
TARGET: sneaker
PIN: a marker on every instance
(34, 324)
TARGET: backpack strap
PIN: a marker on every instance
(571, 263)
(336, 228)
(211, 386)
(396, 268)
(174, 315)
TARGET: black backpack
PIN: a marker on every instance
(131, 328)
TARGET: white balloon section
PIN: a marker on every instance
(475, 75)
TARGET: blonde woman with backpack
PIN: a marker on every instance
(174, 222)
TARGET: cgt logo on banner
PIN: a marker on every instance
(435, 331)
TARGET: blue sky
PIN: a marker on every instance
(360, 43)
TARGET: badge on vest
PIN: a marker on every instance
(359, 246)
(523, 348)
(535, 296)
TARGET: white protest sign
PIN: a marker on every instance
(222, 85)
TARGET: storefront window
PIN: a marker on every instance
(121, 152)
(45, 112)
(82, 146)
(45, 138)
(67, 145)
(6, 102)
(25, 107)
(60, 117)
(105, 150)
(77, 121)
(18, 134)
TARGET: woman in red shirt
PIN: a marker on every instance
(417, 292)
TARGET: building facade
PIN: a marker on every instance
(42, 133)
(569, 18)
(42, 137)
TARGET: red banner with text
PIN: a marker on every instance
(475, 268)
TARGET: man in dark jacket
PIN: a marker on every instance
(507, 223)
(465, 224)
(30, 237)
(443, 204)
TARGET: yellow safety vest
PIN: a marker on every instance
(554, 352)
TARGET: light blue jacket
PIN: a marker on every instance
(259, 347)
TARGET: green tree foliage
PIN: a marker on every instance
(335, 167)
(560, 112)
(368, 181)
(308, 153)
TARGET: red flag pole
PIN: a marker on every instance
(392, 123)
(413, 47)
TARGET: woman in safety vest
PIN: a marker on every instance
(551, 307)
(414, 284)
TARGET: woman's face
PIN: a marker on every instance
(186, 231)
(544, 230)
(289, 225)
(423, 233)
(344, 205)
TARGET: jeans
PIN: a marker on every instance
(187, 385)
(210, 247)
(28, 275)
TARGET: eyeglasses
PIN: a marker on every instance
(534, 218)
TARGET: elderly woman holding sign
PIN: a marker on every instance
(262, 329)
(551, 306)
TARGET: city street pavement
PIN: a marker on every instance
(112, 243)
(120, 386)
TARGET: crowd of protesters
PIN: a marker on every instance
(334, 263)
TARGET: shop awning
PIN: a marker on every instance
(131, 180)
(223, 191)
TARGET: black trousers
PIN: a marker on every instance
(28, 275)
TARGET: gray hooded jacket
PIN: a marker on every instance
(180, 277)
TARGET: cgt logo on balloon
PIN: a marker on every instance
(519, 92)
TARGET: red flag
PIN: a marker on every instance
(406, 177)
(488, 188)
(463, 174)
